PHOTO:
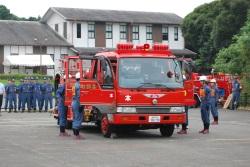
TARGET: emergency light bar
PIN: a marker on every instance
(145, 48)
(125, 46)
(160, 47)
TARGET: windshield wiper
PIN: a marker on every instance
(154, 84)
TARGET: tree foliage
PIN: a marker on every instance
(235, 58)
(210, 27)
(6, 15)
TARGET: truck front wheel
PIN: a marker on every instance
(105, 127)
(167, 130)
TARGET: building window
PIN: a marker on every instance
(65, 30)
(39, 49)
(135, 30)
(56, 27)
(91, 30)
(78, 30)
(165, 33)
(149, 32)
(123, 31)
(109, 30)
(176, 35)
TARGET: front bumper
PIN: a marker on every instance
(143, 119)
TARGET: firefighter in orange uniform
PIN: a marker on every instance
(205, 104)
(213, 101)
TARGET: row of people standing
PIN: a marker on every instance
(76, 108)
(209, 94)
(30, 94)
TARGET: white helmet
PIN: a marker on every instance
(213, 81)
(78, 75)
(203, 78)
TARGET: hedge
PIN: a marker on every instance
(22, 76)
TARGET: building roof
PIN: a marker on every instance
(76, 14)
(93, 51)
(29, 33)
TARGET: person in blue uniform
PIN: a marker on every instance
(12, 96)
(42, 97)
(62, 109)
(48, 95)
(7, 94)
(36, 94)
(20, 94)
(31, 85)
(214, 98)
(184, 125)
(26, 95)
(205, 104)
(236, 92)
(76, 107)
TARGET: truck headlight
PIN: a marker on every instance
(177, 109)
(126, 109)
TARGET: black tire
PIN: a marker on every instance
(69, 125)
(105, 127)
(167, 130)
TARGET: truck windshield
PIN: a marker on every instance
(149, 73)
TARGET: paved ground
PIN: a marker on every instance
(30, 139)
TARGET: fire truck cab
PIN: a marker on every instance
(133, 87)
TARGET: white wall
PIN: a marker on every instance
(110, 43)
(172, 43)
(57, 19)
(14, 51)
(23, 50)
(84, 41)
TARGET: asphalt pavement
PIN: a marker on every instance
(31, 139)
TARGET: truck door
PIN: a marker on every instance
(98, 88)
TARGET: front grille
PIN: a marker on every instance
(149, 110)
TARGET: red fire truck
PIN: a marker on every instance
(133, 87)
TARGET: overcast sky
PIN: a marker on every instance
(27, 8)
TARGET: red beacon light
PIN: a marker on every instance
(143, 47)
(160, 47)
(125, 46)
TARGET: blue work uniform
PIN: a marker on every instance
(20, 95)
(6, 96)
(205, 105)
(62, 110)
(27, 90)
(236, 93)
(48, 96)
(214, 97)
(36, 95)
(42, 97)
(77, 118)
(12, 96)
(31, 94)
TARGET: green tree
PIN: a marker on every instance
(6, 15)
(235, 58)
(210, 27)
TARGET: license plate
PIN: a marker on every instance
(154, 119)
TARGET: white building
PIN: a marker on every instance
(24, 46)
(91, 30)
